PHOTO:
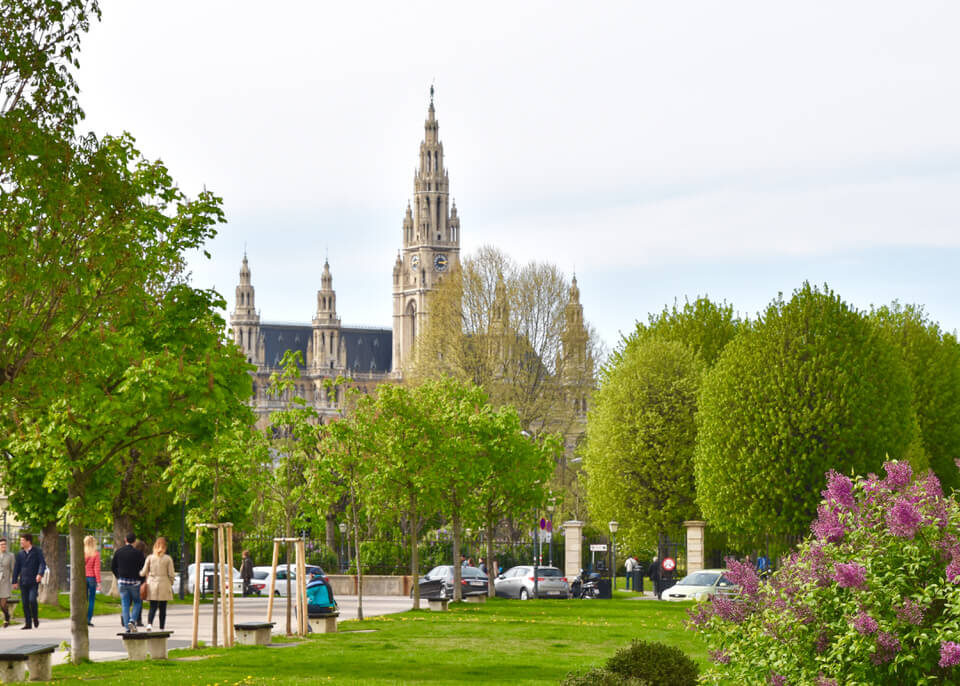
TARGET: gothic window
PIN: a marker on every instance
(240, 331)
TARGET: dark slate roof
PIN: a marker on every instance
(279, 338)
(368, 350)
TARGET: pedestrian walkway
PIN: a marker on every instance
(106, 645)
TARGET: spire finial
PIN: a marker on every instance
(431, 95)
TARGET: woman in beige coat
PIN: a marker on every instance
(158, 571)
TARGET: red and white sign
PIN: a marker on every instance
(669, 564)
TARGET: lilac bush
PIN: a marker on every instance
(872, 597)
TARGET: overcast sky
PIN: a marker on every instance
(663, 150)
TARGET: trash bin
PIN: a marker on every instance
(637, 580)
(604, 588)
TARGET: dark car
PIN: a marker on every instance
(438, 582)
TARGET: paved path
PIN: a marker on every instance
(106, 645)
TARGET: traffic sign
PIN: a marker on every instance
(543, 523)
(669, 564)
(598, 547)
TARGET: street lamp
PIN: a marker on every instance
(343, 554)
(550, 509)
(613, 534)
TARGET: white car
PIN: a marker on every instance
(207, 570)
(700, 585)
(261, 575)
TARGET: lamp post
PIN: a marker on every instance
(550, 509)
(343, 555)
(613, 534)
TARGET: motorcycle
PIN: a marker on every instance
(586, 588)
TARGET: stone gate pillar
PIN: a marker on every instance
(573, 548)
(696, 550)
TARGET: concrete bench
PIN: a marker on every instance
(32, 657)
(253, 633)
(323, 623)
(476, 598)
(438, 604)
(145, 645)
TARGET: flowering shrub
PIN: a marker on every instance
(873, 597)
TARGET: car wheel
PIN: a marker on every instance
(524, 595)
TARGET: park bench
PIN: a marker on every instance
(323, 622)
(144, 645)
(438, 604)
(253, 633)
(476, 598)
(32, 657)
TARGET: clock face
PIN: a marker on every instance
(414, 261)
(440, 263)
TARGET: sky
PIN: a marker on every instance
(659, 150)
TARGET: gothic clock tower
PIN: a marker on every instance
(431, 244)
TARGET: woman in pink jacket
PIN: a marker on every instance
(91, 565)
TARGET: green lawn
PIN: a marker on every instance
(534, 642)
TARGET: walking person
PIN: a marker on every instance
(142, 547)
(28, 570)
(653, 571)
(158, 573)
(91, 567)
(6, 580)
(126, 565)
(629, 566)
(246, 571)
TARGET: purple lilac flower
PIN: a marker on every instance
(888, 645)
(824, 680)
(827, 526)
(777, 679)
(729, 609)
(719, 657)
(949, 654)
(822, 642)
(865, 624)
(953, 569)
(931, 485)
(898, 475)
(910, 612)
(744, 575)
(903, 519)
(700, 614)
(850, 575)
(839, 490)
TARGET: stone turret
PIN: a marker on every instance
(245, 321)
(325, 350)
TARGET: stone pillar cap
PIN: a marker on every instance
(694, 522)
(572, 522)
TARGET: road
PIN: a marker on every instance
(106, 645)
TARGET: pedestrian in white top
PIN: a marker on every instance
(630, 565)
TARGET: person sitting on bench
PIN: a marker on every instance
(320, 602)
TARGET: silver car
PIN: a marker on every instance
(518, 582)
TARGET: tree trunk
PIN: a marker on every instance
(356, 540)
(331, 532)
(122, 525)
(216, 580)
(415, 565)
(79, 633)
(491, 565)
(50, 591)
(288, 533)
(457, 592)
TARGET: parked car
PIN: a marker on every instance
(207, 571)
(700, 586)
(261, 574)
(438, 582)
(518, 582)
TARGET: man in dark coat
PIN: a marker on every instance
(246, 572)
(654, 573)
(28, 571)
(126, 565)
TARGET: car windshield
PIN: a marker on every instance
(548, 571)
(699, 579)
(260, 575)
(470, 572)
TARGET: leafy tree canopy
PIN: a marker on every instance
(811, 386)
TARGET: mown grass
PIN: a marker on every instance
(534, 642)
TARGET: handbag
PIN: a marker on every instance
(143, 590)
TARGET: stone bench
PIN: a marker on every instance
(32, 657)
(145, 645)
(476, 598)
(438, 604)
(323, 622)
(253, 633)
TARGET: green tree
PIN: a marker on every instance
(811, 386)
(641, 434)
(932, 357)
(703, 325)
